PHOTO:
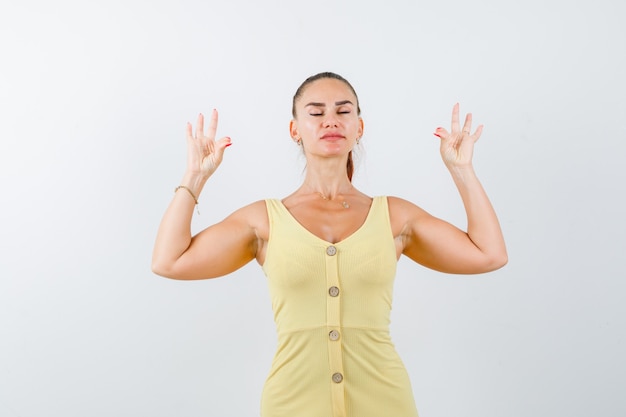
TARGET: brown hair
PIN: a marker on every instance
(319, 76)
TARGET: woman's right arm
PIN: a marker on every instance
(217, 250)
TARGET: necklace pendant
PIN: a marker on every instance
(345, 205)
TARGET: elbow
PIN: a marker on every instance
(161, 269)
(158, 269)
(505, 259)
(173, 270)
(502, 262)
(499, 261)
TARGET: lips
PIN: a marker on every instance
(333, 136)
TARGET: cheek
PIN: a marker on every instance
(309, 126)
(354, 125)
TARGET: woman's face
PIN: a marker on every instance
(326, 120)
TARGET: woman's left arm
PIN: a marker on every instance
(438, 244)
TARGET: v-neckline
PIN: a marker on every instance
(310, 233)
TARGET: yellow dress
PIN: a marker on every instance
(331, 306)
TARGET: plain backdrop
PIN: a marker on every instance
(94, 98)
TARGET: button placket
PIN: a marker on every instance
(333, 321)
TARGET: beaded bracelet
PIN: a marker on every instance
(190, 193)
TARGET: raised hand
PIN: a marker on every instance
(457, 146)
(204, 153)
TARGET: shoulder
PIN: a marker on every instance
(257, 206)
(252, 213)
(401, 208)
(403, 215)
(254, 216)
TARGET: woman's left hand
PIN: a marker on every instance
(457, 146)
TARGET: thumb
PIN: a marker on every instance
(441, 133)
(222, 144)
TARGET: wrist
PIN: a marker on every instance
(461, 172)
(194, 182)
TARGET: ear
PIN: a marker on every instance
(293, 130)
(361, 126)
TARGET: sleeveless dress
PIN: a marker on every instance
(331, 304)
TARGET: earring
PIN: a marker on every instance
(298, 141)
(358, 140)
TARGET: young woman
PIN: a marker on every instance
(329, 252)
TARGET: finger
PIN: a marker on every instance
(479, 131)
(467, 126)
(189, 130)
(455, 118)
(220, 146)
(212, 125)
(441, 133)
(223, 143)
(200, 125)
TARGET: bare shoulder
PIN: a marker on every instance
(252, 210)
(402, 211)
(403, 214)
(254, 215)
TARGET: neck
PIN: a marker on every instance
(328, 185)
(328, 176)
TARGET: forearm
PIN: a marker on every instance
(483, 227)
(174, 234)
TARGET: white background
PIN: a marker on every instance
(94, 97)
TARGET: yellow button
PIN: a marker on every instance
(337, 377)
(333, 335)
(331, 251)
(333, 291)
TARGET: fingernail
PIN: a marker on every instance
(437, 134)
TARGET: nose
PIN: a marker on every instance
(330, 120)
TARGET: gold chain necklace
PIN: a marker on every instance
(344, 203)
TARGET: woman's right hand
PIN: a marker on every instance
(204, 153)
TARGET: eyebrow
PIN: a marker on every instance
(337, 103)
